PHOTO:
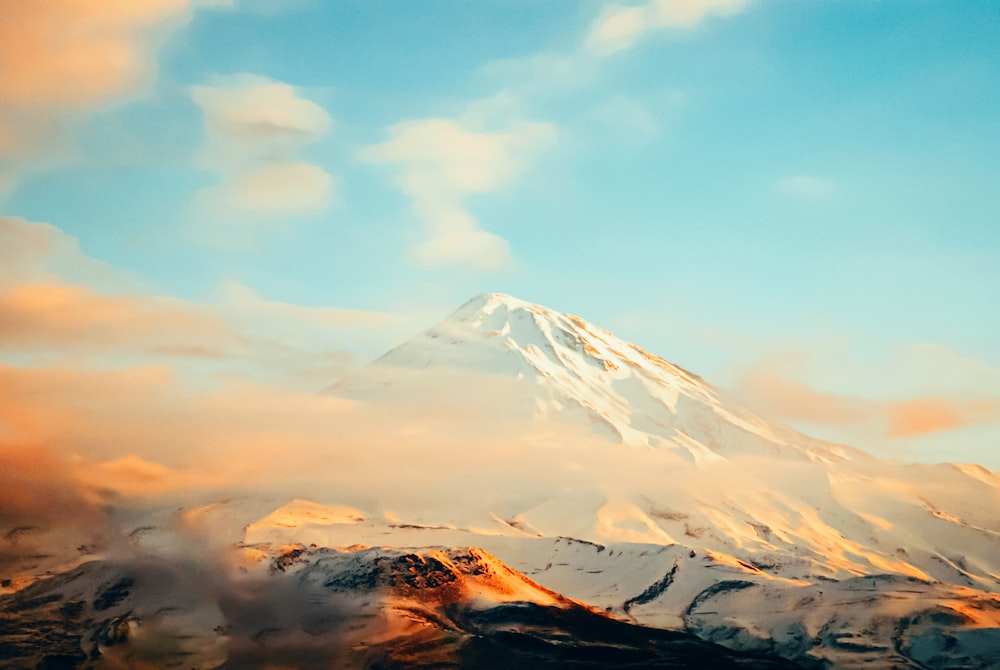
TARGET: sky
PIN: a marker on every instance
(797, 200)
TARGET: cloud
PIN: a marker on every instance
(61, 58)
(243, 303)
(921, 416)
(34, 486)
(441, 161)
(255, 129)
(271, 191)
(627, 117)
(40, 252)
(770, 392)
(807, 187)
(620, 27)
(774, 389)
(72, 317)
(60, 321)
(57, 303)
(473, 248)
(257, 115)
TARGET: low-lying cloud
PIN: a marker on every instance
(58, 304)
(778, 393)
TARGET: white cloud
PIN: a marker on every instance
(280, 189)
(620, 27)
(255, 128)
(627, 116)
(474, 248)
(807, 187)
(443, 160)
(259, 114)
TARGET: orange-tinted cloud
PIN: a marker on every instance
(919, 416)
(81, 411)
(33, 252)
(249, 337)
(46, 517)
(60, 59)
(73, 317)
(769, 392)
(35, 482)
(55, 302)
(75, 54)
(775, 392)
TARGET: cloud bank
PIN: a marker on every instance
(60, 59)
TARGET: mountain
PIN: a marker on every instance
(796, 527)
(524, 489)
(332, 608)
(573, 367)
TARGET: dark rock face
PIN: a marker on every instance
(113, 594)
(531, 636)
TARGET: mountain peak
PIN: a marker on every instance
(485, 304)
(567, 366)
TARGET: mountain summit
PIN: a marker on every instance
(569, 367)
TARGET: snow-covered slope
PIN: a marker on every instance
(795, 523)
(749, 489)
(774, 603)
(570, 367)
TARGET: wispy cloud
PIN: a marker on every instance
(56, 303)
(620, 27)
(255, 129)
(776, 394)
(921, 416)
(33, 252)
(807, 187)
(627, 117)
(482, 148)
(775, 389)
(69, 317)
(440, 162)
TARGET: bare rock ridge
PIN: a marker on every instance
(321, 608)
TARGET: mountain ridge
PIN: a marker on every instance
(567, 365)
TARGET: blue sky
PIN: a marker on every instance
(768, 192)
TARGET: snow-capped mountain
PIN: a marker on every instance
(785, 517)
(597, 487)
(568, 367)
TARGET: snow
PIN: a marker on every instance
(755, 502)
(576, 368)
(682, 511)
